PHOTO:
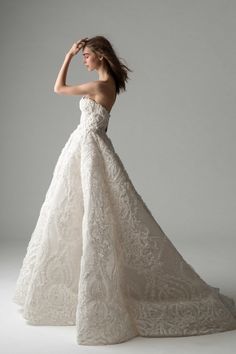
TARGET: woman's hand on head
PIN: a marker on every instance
(77, 46)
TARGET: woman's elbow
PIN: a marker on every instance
(56, 90)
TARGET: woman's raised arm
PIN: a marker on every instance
(61, 87)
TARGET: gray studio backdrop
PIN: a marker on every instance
(174, 128)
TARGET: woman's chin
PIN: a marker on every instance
(89, 68)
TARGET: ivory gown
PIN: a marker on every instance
(98, 259)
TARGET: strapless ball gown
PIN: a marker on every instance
(97, 259)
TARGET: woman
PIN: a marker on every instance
(112, 73)
(97, 258)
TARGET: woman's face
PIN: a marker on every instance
(90, 59)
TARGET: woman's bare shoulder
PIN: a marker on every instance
(106, 94)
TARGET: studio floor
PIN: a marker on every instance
(216, 264)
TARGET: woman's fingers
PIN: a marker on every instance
(82, 40)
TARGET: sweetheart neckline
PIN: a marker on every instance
(99, 104)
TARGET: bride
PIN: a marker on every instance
(112, 75)
(97, 258)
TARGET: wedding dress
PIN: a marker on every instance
(98, 259)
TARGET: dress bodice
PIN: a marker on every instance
(94, 117)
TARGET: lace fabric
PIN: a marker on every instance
(98, 259)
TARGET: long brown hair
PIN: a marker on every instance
(114, 65)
